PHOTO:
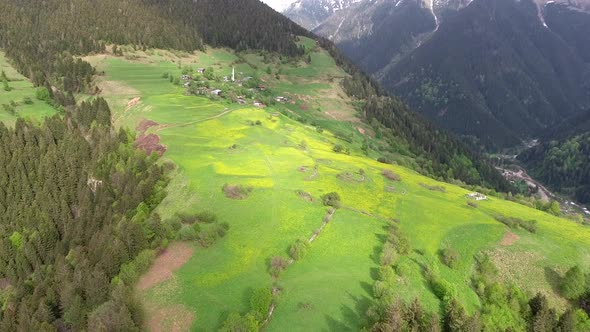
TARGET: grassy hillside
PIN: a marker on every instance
(289, 165)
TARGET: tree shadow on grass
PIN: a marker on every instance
(554, 279)
(352, 318)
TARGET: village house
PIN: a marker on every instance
(201, 70)
(186, 77)
(216, 92)
(258, 104)
(281, 99)
(477, 196)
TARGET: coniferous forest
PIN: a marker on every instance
(75, 201)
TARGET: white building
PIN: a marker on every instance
(477, 196)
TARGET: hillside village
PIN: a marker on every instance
(236, 87)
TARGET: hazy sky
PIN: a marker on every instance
(278, 5)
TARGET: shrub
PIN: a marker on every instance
(238, 323)
(260, 301)
(384, 160)
(338, 148)
(472, 204)
(27, 101)
(206, 217)
(298, 249)
(236, 191)
(449, 257)
(443, 289)
(186, 218)
(331, 199)
(188, 233)
(398, 241)
(514, 223)
(389, 255)
(574, 283)
(389, 174)
(277, 265)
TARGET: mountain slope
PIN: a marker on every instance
(497, 72)
(515, 78)
(387, 28)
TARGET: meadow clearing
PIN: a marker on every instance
(21, 96)
(289, 165)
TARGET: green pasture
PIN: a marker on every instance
(330, 288)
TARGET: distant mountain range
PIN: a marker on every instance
(497, 72)
(311, 13)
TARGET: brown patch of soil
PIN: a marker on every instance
(361, 130)
(173, 318)
(150, 144)
(133, 102)
(170, 260)
(509, 239)
(145, 125)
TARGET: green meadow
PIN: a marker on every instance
(212, 142)
(20, 89)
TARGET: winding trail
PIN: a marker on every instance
(326, 220)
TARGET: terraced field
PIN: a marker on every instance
(289, 165)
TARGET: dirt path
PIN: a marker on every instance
(172, 259)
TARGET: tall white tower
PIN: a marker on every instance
(233, 74)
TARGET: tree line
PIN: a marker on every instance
(75, 217)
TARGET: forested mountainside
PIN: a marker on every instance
(497, 72)
(40, 35)
(75, 204)
(564, 165)
(494, 72)
(46, 58)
